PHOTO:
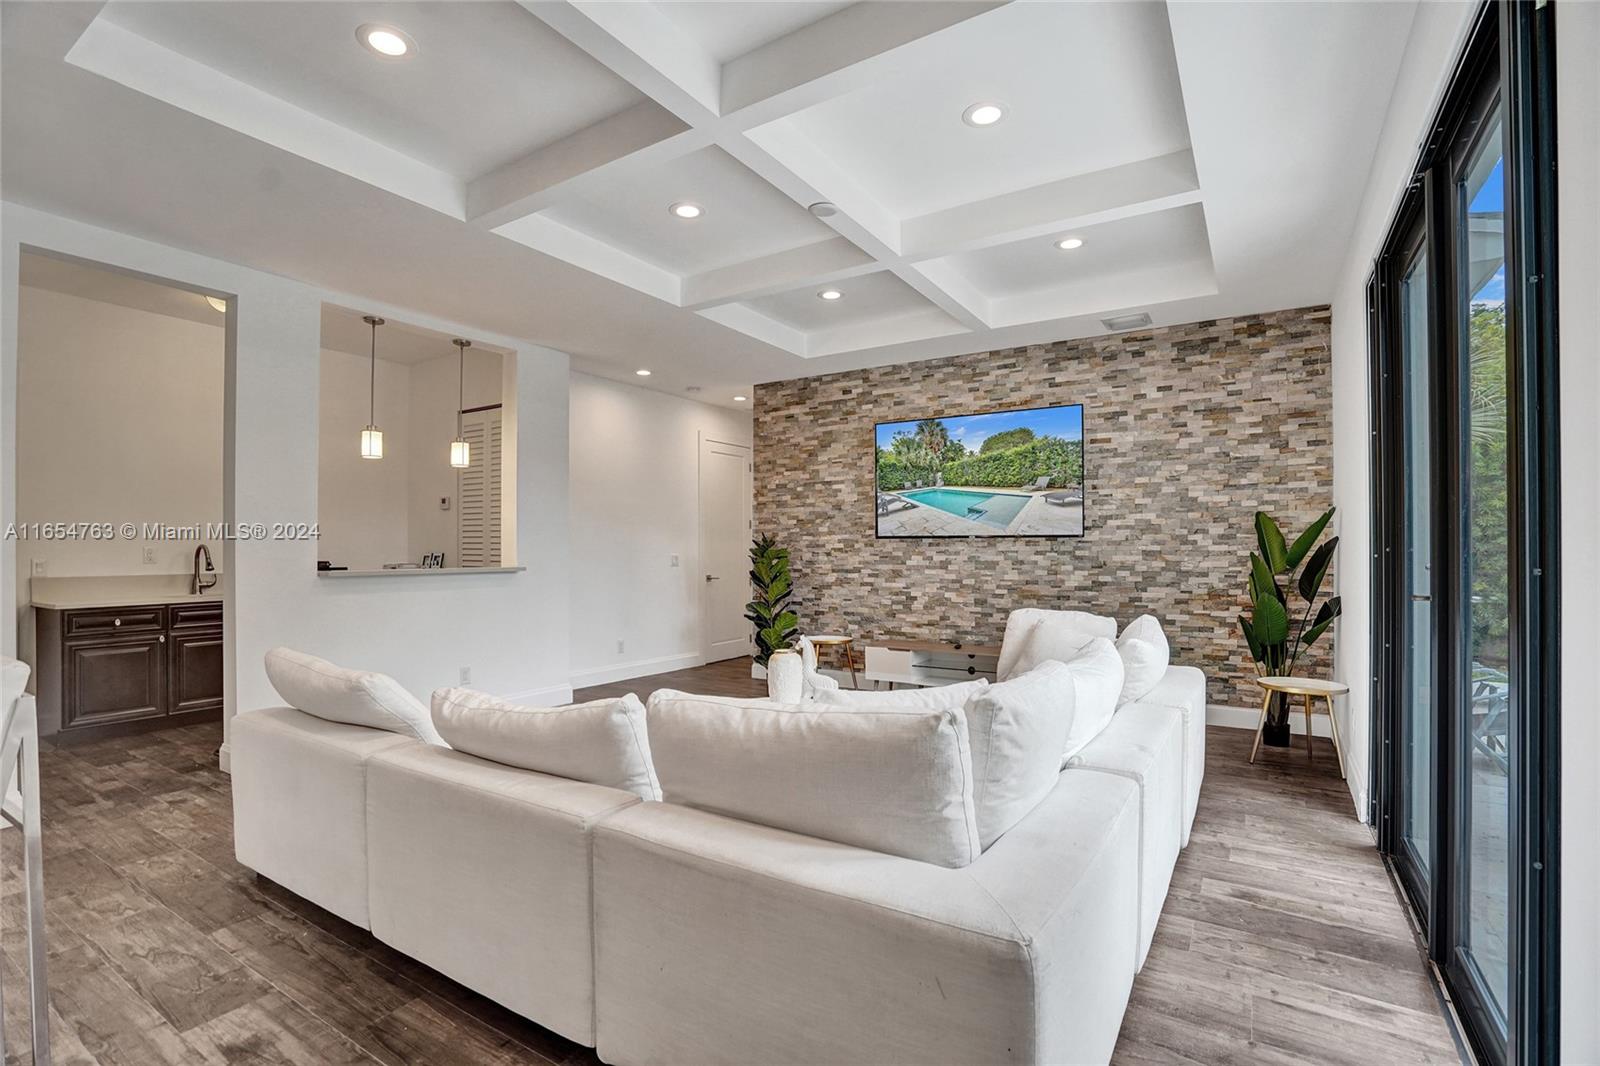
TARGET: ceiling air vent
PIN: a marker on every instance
(1122, 322)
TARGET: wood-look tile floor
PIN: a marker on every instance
(1282, 940)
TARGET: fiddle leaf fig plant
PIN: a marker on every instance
(772, 591)
(1276, 630)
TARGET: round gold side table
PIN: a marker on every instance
(1309, 688)
(822, 641)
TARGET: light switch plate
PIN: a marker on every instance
(41, 567)
(149, 555)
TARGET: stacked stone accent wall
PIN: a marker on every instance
(1188, 430)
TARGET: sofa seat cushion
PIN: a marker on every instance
(1183, 688)
(602, 742)
(1144, 744)
(898, 781)
(354, 697)
(1034, 635)
(1016, 729)
(300, 803)
(719, 941)
(481, 871)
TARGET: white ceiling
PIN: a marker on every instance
(516, 173)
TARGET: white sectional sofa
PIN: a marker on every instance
(661, 933)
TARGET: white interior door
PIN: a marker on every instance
(724, 548)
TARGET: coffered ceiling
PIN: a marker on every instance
(520, 169)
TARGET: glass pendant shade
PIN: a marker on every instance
(372, 443)
(460, 454)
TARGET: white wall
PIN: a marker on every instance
(363, 505)
(1436, 35)
(510, 628)
(1578, 129)
(1437, 32)
(433, 426)
(121, 420)
(635, 461)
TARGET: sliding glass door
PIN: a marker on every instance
(1464, 691)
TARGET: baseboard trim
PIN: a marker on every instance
(1247, 717)
(225, 759)
(605, 675)
(553, 696)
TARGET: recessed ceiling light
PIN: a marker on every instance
(983, 114)
(830, 294)
(217, 305)
(1067, 244)
(823, 209)
(390, 42)
(642, 372)
(739, 399)
(684, 209)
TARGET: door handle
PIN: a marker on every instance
(1418, 597)
(712, 577)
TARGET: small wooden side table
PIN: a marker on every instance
(826, 640)
(1309, 688)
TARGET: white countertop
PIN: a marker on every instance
(79, 593)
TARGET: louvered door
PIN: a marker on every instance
(478, 516)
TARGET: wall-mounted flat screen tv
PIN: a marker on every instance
(996, 474)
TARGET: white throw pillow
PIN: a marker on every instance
(354, 697)
(1034, 635)
(933, 698)
(1144, 651)
(1097, 679)
(603, 742)
(1017, 730)
(896, 781)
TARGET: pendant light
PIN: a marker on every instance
(372, 436)
(460, 450)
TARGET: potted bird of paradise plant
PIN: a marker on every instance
(1279, 631)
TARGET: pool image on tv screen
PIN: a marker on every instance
(992, 474)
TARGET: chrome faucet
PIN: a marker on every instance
(195, 586)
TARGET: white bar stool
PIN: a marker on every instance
(19, 766)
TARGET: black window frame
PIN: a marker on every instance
(1509, 61)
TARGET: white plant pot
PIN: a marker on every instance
(785, 677)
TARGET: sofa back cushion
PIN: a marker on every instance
(1097, 682)
(1034, 635)
(897, 781)
(1145, 654)
(603, 742)
(1018, 729)
(932, 698)
(354, 697)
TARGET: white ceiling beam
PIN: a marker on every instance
(947, 289)
(544, 234)
(762, 327)
(643, 135)
(897, 329)
(831, 260)
(847, 50)
(1137, 188)
(1099, 295)
(645, 48)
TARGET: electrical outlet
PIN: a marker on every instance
(41, 567)
(466, 675)
(675, 560)
(619, 647)
(444, 503)
(149, 555)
